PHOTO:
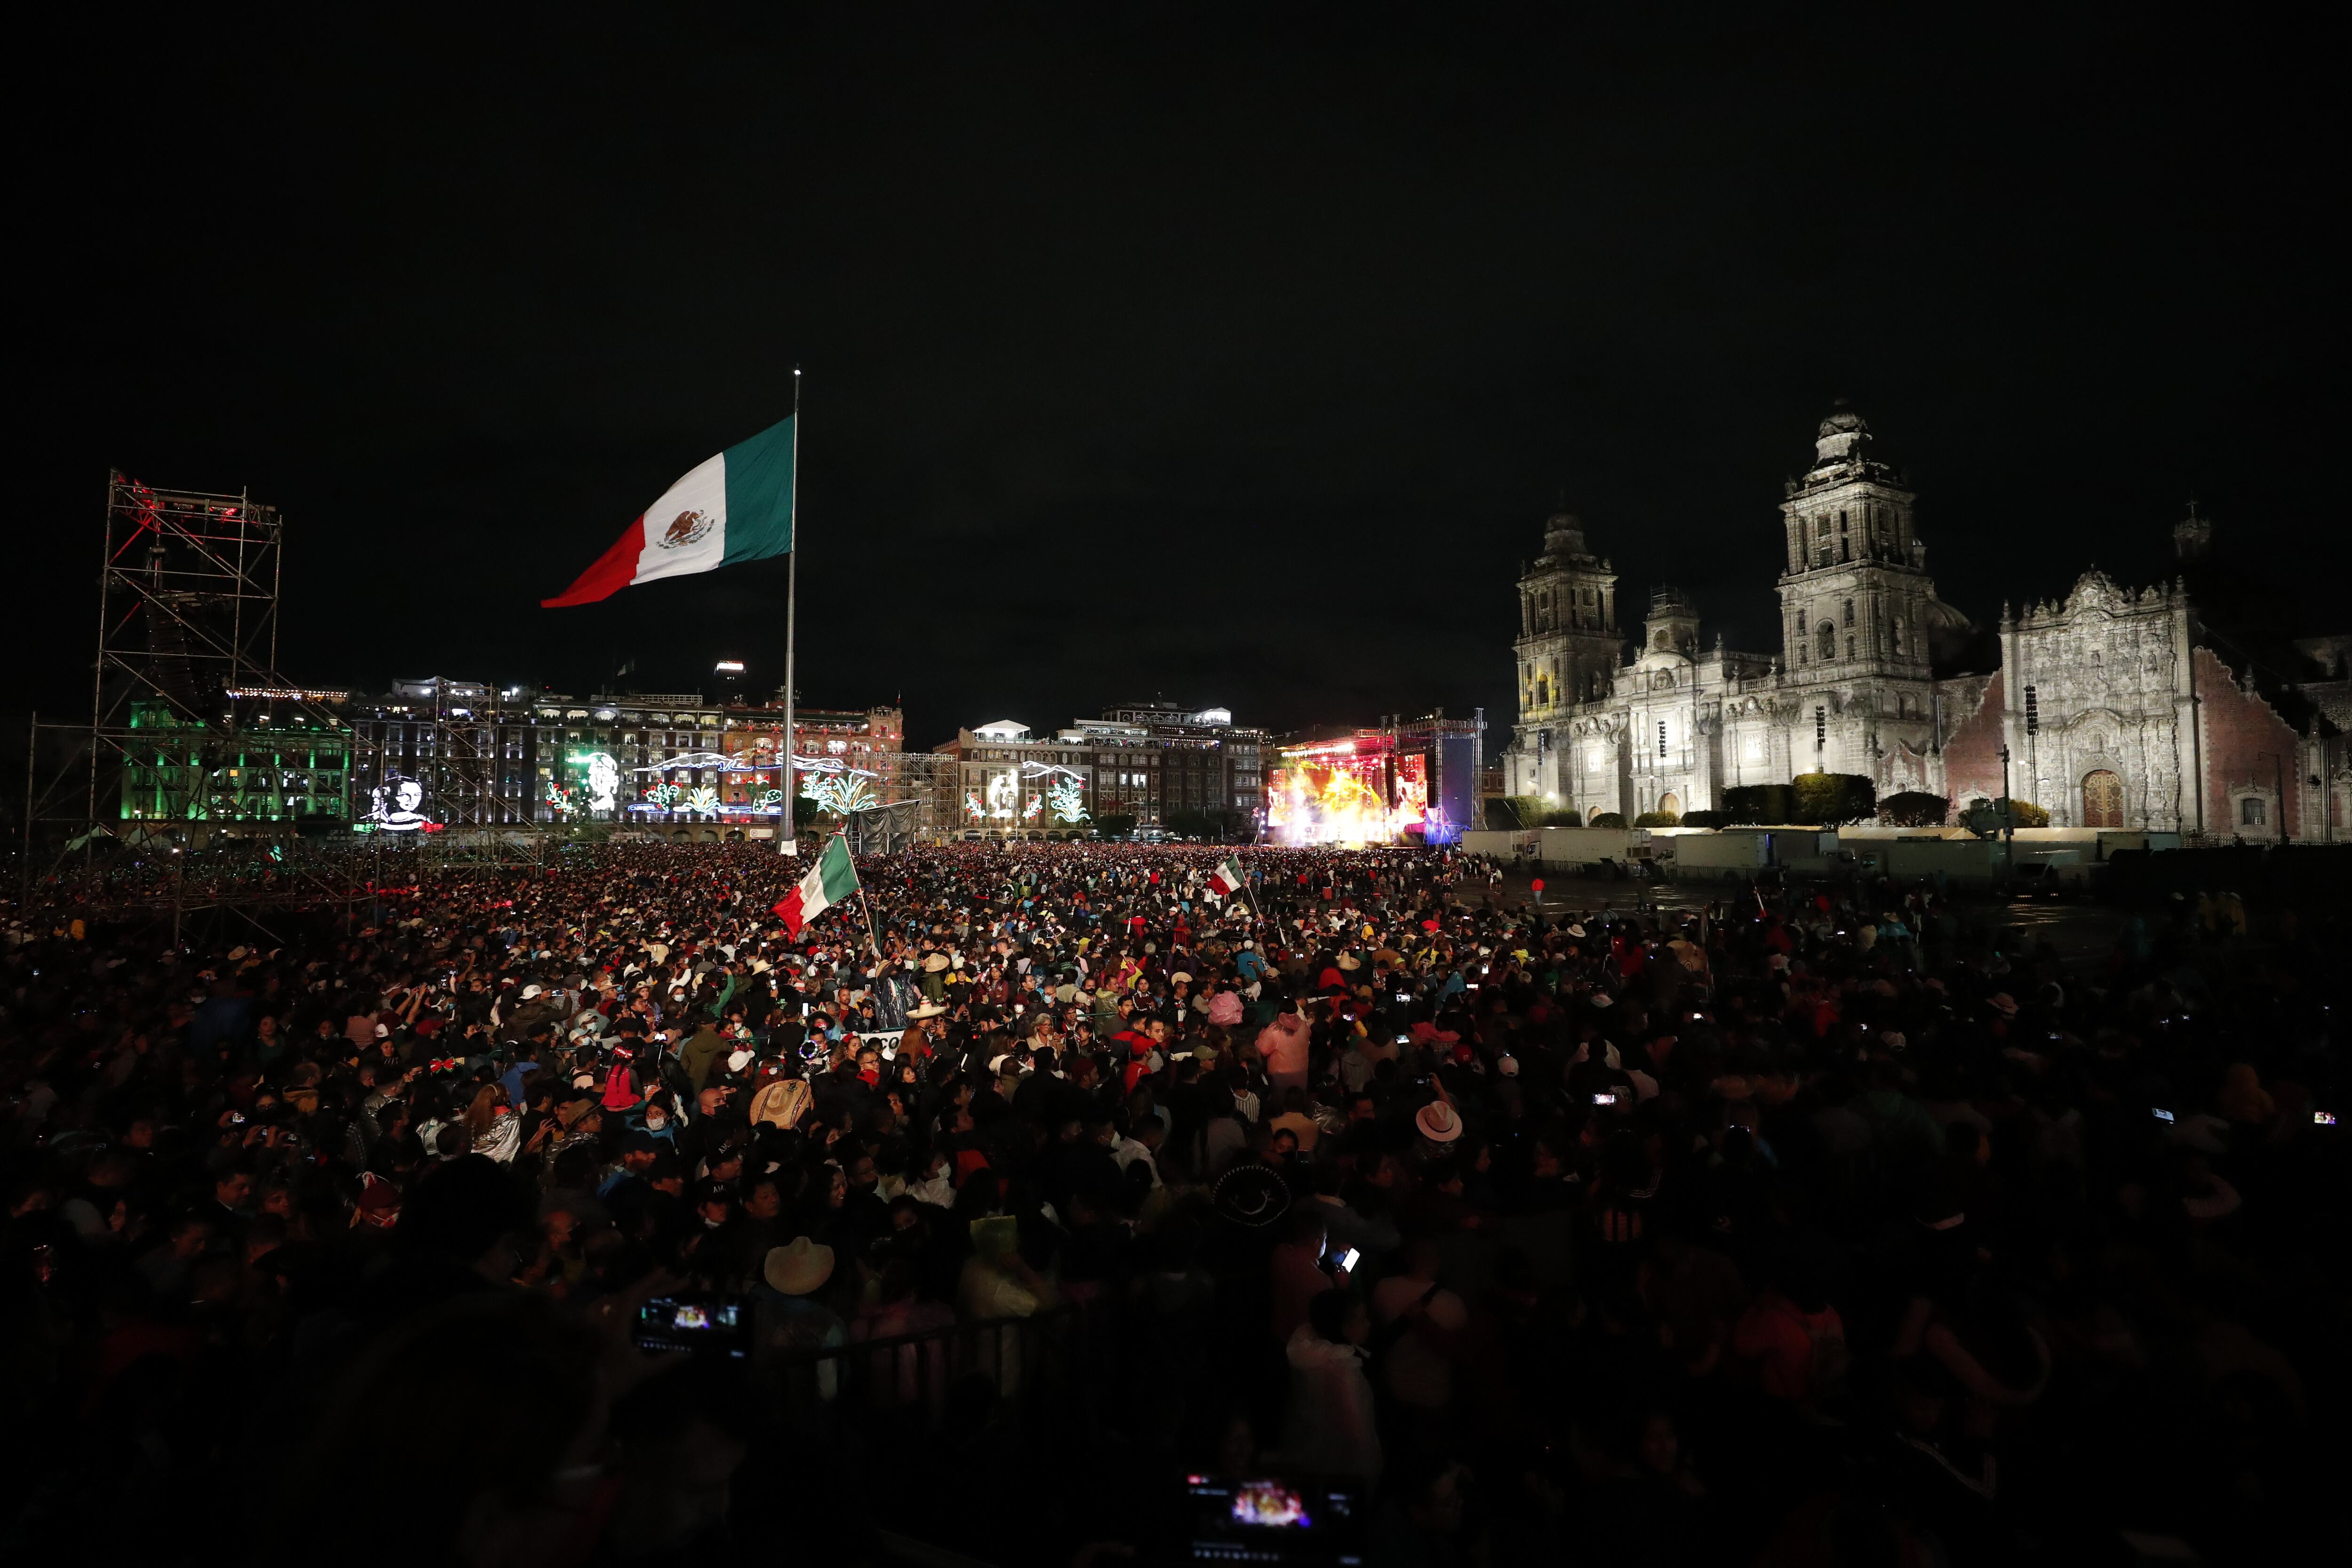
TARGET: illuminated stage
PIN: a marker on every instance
(1347, 792)
(1409, 782)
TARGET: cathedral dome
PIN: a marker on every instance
(1841, 419)
(1842, 437)
(1957, 645)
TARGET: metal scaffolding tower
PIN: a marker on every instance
(191, 732)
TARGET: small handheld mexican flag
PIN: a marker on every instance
(1226, 880)
(830, 881)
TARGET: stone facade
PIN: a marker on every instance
(2115, 705)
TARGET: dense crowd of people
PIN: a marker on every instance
(1816, 1226)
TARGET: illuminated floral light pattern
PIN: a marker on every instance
(839, 793)
(1067, 798)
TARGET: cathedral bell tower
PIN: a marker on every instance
(1854, 598)
(1568, 645)
(1671, 624)
(1568, 641)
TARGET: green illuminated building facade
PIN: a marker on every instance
(260, 762)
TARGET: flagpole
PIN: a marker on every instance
(1245, 888)
(863, 902)
(791, 616)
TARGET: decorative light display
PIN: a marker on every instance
(972, 808)
(830, 783)
(698, 760)
(839, 788)
(603, 780)
(1067, 798)
(1064, 796)
(393, 807)
(1003, 790)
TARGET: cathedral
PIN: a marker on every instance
(2113, 707)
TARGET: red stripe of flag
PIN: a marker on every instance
(613, 570)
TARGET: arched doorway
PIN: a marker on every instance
(1671, 803)
(2102, 799)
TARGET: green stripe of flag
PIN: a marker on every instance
(840, 877)
(760, 496)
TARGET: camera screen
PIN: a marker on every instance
(720, 1323)
(1271, 1504)
(1274, 1519)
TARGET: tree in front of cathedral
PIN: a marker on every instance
(1983, 818)
(1814, 800)
(1913, 808)
(1835, 799)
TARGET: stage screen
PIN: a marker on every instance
(1456, 803)
(1411, 812)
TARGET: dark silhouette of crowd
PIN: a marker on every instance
(1045, 1187)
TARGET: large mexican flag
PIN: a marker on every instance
(830, 881)
(736, 507)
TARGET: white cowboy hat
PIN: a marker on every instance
(1439, 1122)
(799, 1267)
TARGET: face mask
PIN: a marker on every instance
(655, 1124)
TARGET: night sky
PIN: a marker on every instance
(1162, 349)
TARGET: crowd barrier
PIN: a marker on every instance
(1014, 1373)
